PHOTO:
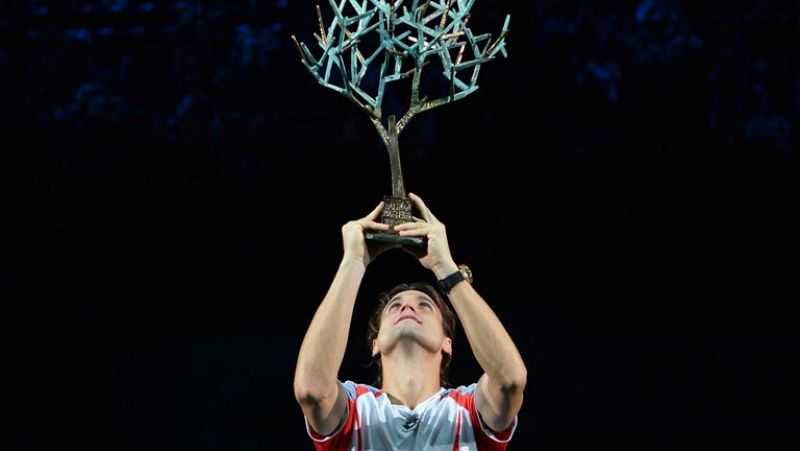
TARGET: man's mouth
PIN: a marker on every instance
(408, 316)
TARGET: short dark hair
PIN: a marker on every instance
(448, 323)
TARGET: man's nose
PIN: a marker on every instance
(407, 304)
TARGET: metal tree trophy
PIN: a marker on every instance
(409, 32)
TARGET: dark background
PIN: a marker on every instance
(174, 182)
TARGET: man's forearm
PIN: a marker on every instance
(324, 345)
(493, 347)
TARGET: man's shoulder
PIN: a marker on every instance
(463, 395)
(461, 390)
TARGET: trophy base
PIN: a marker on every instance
(396, 210)
(393, 238)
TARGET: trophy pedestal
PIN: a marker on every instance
(407, 241)
(396, 210)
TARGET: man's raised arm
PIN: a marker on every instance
(316, 385)
(500, 389)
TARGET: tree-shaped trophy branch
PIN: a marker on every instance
(409, 32)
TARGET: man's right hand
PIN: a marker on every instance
(355, 245)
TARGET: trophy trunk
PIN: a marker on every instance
(397, 207)
(398, 189)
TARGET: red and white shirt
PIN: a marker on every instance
(447, 421)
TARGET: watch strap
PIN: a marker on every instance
(453, 279)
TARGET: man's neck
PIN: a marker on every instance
(410, 378)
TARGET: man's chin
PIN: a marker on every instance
(407, 331)
(410, 334)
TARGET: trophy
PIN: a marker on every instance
(398, 38)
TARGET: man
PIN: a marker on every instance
(411, 410)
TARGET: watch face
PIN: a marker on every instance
(466, 272)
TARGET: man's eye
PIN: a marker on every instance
(394, 306)
(425, 304)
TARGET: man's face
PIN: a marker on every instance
(411, 317)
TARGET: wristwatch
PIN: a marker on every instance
(463, 273)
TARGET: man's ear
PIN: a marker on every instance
(375, 349)
(447, 346)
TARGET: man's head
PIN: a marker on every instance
(412, 311)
